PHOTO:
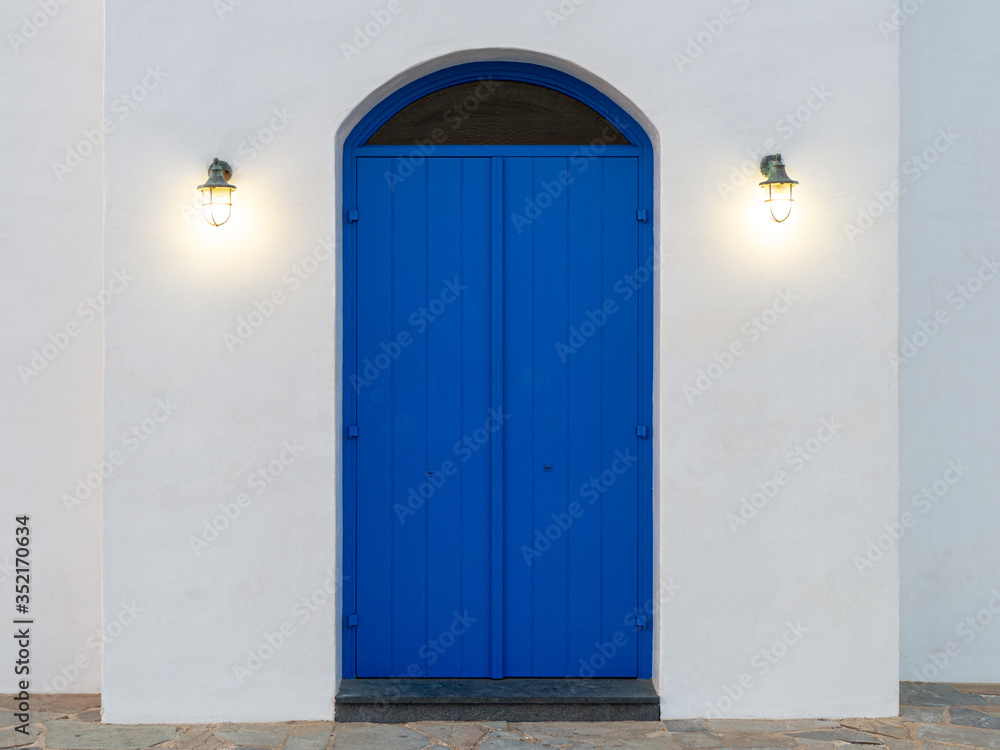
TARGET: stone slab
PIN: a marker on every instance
(696, 740)
(567, 732)
(922, 715)
(264, 735)
(377, 737)
(882, 727)
(768, 726)
(310, 741)
(63, 704)
(389, 713)
(969, 717)
(986, 739)
(838, 735)
(77, 735)
(756, 740)
(11, 738)
(508, 690)
(977, 688)
(659, 742)
(200, 737)
(935, 694)
(501, 740)
(459, 735)
(685, 725)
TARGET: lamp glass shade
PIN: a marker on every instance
(217, 204)
(779, 200)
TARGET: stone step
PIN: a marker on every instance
(396, 701)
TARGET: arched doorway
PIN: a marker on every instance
(497, 381)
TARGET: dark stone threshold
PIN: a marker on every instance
(510, 699)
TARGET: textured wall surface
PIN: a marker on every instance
(53, 303)
(775, 428)
(949, 328)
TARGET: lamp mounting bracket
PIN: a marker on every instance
(227, 171)
(766, 164)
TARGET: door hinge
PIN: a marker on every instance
(641, 431)
(352, 621)
(352, 432)
(642, 215)
(643, 621)
(352, 215)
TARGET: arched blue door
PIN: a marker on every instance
(497, 383)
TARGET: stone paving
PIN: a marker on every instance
(934, 716)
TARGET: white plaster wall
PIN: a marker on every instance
(229, 66)
(51, 73)
(949, 220)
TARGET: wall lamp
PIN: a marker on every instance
(779, 187)
(217, 193)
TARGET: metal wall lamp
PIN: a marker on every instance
(217, 193)
(779, 187)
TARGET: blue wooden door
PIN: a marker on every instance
(499, 483)
(571, 388)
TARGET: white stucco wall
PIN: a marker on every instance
(51, 54)
(949, 326)
(268, 86)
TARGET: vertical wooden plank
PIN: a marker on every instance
(441, 325)
(620, 344)
(496, 438)
(409, 415)
(373, 389)
(581, 350)
(550, 455)
(472, 454)
(518, 431)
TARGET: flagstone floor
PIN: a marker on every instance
(934, 716)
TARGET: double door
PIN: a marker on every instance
(497, 471)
